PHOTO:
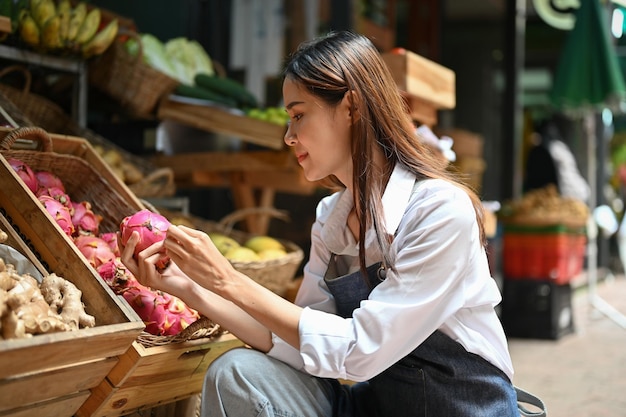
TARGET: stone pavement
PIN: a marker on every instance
(582, 374)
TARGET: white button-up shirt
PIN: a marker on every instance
(440, 279)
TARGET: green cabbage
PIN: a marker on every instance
(179, 58)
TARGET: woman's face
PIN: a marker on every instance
(319, 134)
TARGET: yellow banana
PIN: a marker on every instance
(28, 29)
(89, 27)
(76, 20)
(42, 11)
(50, 35)
(64, 10)
(101, 40)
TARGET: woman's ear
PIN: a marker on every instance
(349, 102)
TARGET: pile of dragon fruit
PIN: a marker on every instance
(162, 313)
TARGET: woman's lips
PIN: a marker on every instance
(301, 157)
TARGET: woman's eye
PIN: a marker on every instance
(297, 117)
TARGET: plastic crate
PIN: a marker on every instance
(536, 309)
(554, 252)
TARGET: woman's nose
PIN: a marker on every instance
(290, 137)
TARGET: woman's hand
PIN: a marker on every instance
(171, 280)
(196, 255)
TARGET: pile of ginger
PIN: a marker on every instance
(28, 307)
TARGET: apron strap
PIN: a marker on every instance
(528, 398)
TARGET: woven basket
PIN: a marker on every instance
(37, 108)
(81, 180)
(128, 79)
(274, 274)
(29, 109)
(200, 329)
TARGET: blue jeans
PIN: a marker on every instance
(244, 382)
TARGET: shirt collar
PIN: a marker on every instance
(336, 234)
(396, 196)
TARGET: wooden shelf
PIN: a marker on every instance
(213, 119)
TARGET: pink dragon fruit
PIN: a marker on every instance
(60, 213)
(111, 239)
(46, 179)
(117, 276)
(85, 221)
(96, 250)
(58, 194)
(160, 312)
(25, 172)
(152, 228)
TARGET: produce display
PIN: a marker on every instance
(162, 313)
(187, 62)
(545, 206)
(256, 248)
(179, 58)
(29, 308)
(57, 27)
(121, 166)
(271, 114)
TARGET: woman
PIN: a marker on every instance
(396, 297)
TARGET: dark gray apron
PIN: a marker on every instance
(438, 379)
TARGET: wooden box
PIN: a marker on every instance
(136, 365)
(422, 78)
(149, 376)
(53, 374)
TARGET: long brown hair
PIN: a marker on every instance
(341, 62)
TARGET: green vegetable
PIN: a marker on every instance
(204, 94)
(153, 53)
(227, 87)
(187, 58)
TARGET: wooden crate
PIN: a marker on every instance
(422, 78)
(53, 374)
(137, 364)
(147, 377)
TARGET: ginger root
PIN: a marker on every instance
(28, 308)
(63, 296)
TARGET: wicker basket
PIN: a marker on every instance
(81, 180)
(37, 108)
(29, 109)
(274, 274)
(128, 79)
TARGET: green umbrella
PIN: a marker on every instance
(588, 76)
(588, 79)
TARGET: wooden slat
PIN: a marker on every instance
(55, 383)
(142, 365)
(59, 407)
(185, 164)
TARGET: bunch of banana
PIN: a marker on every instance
(56, 26)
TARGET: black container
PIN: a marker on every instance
(537, 309)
